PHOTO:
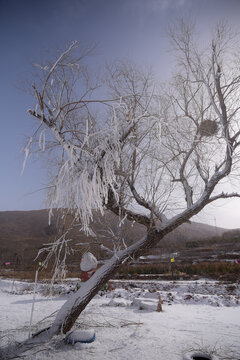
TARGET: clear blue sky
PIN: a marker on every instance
(132, 29)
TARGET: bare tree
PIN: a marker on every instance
(152, 157)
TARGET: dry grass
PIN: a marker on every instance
(215, 270)
(30, 274)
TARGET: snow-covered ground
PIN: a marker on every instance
(196, 315)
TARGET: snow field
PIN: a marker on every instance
(125, 332)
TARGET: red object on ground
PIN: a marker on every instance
(85, 275)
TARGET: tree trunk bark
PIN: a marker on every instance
(73, 307)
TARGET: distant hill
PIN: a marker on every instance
(22, 233)
(191, 232)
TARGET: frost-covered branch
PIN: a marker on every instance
(143, 155)
(223, 196)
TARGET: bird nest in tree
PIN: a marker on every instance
(208, 128)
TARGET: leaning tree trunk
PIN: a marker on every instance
(73, 307)
(71, 310)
